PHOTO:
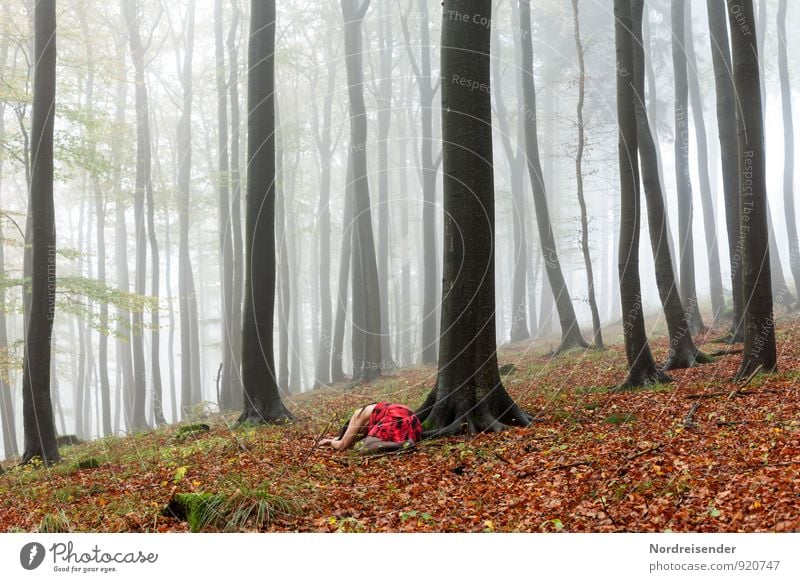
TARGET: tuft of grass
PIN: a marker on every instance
(620, 418)
(190, 430)
(90, 463)
(244, 508)
(55, 523)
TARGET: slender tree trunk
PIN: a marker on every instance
(688, 289)
(37, 408)
(427, 91)
(469, 392)
(190, 364)
(516, 163)
(337, 371)
(236, 213)
(284, 276)
(788, 147)
(224, 224)
(726, 121)
(386, 48)
(173, 401)
(131, 14)
(587, 259)
(709, 220)
(759, 321)
(262, 401)
(9, 429)
(642, 369)
(570, 331)
(683, 352)
(367, 362)
(322, 136)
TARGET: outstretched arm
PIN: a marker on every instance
(358, 425)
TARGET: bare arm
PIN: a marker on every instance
(358, 425)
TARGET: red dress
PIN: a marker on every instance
(394, 423)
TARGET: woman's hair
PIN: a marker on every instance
(346, 424)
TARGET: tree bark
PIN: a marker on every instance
(262, 401)
(688, 289)
(683, 352)
(642, 369)
(587, 258)
(759, 322)
(37, 409)
(469, 393)
(570, 331)
(224, 223)
(788, 147)
(367, 360)
(706, 199)
(130, 12)
(726, 121)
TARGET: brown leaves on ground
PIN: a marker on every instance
(652, 460)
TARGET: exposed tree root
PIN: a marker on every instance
(686, 359)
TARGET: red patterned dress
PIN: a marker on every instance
(394, 423)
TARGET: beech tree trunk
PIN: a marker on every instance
(262, 401)
(642, 369)
(759, 322)
(571, 336)
(37, 410)
(469, 394)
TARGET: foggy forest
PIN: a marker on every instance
(559, 234)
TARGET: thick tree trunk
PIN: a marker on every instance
(682, 176)
(587, 259)
(759, 322)
(469, 393)
(262, 401)
(726, 121)
(641, 365)
(706, 199)
(37, 409)
(367, 360)
(788, 147)
(683, 352)
(236, 213)
(131, 15)
(284, 282)
(224, 224)
(570, 331)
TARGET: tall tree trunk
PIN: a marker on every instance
(516, 162)
(337, 355)
(570, 331)
(284, 276)
(322, 136)
(367, 360)
(683, 352)
(386, 48)
(224, 224)
(587, 259)
(469, 392)
(788, 148)
(173, 400)
(642, 369)
(427, 91)
(726, 121)
(190, 365)
(37, 408)
(9, 428)
(131, 15)
(709, 220)
(683, 179)
(236, 205)
(100, 214)
(759, 322)
(262, 401)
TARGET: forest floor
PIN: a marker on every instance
(698, 454)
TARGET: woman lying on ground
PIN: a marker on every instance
(383, 426)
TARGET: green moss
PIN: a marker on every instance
(90, 463)
(191, 430)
